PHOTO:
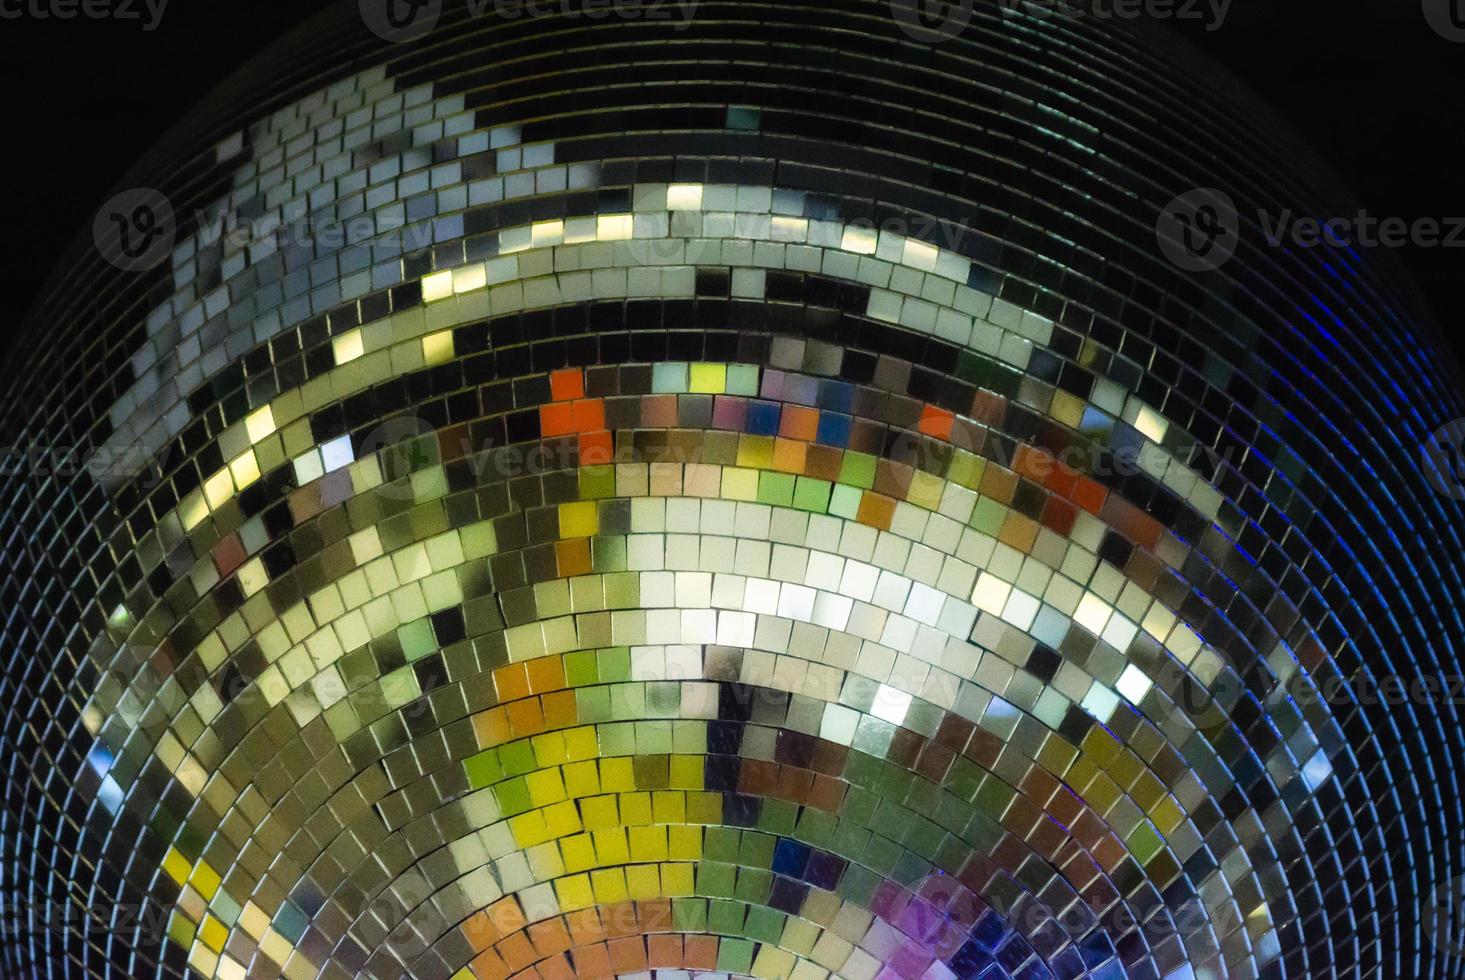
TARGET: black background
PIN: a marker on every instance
(1366, 81)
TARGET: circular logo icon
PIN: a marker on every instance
(1444, 460)
(931, 21)
(135, 229)
(1198, 230)
(400, 21)
(1443, 917)
(1446, 18)
(407, 444)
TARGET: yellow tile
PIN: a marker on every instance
(574, 892)
(348, 346)
(259, 424)
(643, 881)
(670, 806)
(599, 811)
(176, 865)
(708, 379)
(544, 861)
(549, 749)
(578, 852)
(677, 880)
(579, 520)
(635, 809)
(528, 829)
(609, 885)
(562, 819)
(545, 787)
(437, 348)
(684, 842)
(617, 775)
(686, 772)
(611, 846)
(205, 880)
(582, 779)
(647, 843)
(739, 483)
(581, 743)
(704, 808)
(755, 452)
(437, 286)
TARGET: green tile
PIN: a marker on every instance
(725, 917)
(580, 668)
(735, 956)
(775, 489)
(483, 769)
(857, 470)
(811, 494)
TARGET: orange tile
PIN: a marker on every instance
(488, 966)
(699, 952)
(789, 456)
(998, 483)
(799, 423)
(561, 710)
(596, 448)
(507, 916)
(573, 557)
(621, 920)
(664, 951)
(627, 955)
(557, 968)
(1089, 494)
(655, 914)
(516, 951)
(1059, 515)
(545, 674)
(585, 927)
(936, 422)
(876, 510)
(556, 420)
(480, 930)
(1035, 464)
(1018, 532)
(593, 962)
(589, 415)
(567, 384)
(511, 682)
(526, 718)
(491, 727)
(550, 936)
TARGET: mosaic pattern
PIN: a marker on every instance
(772, 516)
